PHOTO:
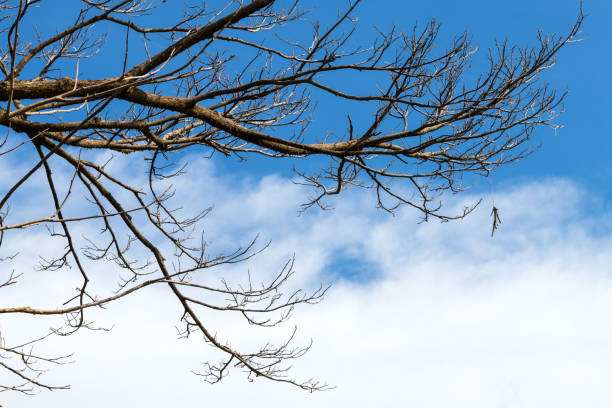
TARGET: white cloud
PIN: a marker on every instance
(444, 316)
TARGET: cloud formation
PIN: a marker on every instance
(431, 314)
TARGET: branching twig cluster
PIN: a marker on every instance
(237, 82)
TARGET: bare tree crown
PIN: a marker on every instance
(237, 82)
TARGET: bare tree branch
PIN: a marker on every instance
(235, 81)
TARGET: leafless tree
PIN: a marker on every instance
(239, 80)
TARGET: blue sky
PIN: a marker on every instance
(424, 315)
(580, 149)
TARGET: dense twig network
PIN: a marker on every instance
(235, 81)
